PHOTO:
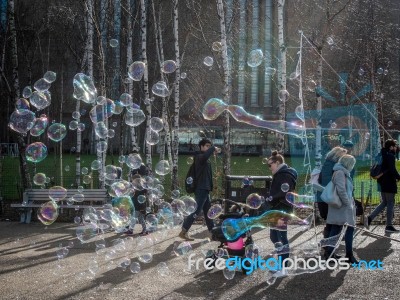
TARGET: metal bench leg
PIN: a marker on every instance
(28, 216)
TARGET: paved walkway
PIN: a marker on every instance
(29, 268)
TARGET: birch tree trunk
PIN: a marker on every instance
(226, 90)
(143, 29)
(175, 131)
(282, 81)
(26, 180)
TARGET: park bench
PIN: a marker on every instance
(33, 198)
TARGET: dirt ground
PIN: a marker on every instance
(30, 268)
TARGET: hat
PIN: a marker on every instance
(348, 144)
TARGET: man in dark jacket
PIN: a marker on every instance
(204, 185)
(387, 185)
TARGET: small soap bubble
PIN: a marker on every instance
(330, 41)
(285, 187)
(283, 95)
(183, 75)
(208, 61)
(114, 43)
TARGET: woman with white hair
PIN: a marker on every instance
(337, 217)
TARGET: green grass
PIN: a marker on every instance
(10, 183)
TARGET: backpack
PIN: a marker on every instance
(190, 185)
(376, 169)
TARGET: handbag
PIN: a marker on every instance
(330, 195)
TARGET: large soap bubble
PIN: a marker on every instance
(160, 89)
(40, 100)
(190, 204)
(135, 117)
(84, 88)
(57, 132)
(162, 167)
(254, 200)
(168, 66)
(48, 213)
(36, 152)
(215, 211)
(255, 58)
(136, 70)
(21, 120)
(214, 107)
(234, 228)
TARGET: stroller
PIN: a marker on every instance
(242, 246)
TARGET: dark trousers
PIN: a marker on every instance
(348, 238)
(280, 236)
(203, 201)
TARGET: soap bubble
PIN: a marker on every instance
(152, 137)
(114, 43)
(48, 213)
(73, 125)
(135, 117)
(41, 85)
(21, 120)
(141, 199)
(168, 66)
(135, 267)
(156, 124)
(163, 270)
(95, 165)
(217, 46)
(175, 194)
(330, 41)
(27, 92)
(117, 108)
(160, 89)
(67, 168)
(255, 58)
(50, 76)
(122, 159)
(102, 146)
(390, 123)
(84, 88)
(39, 179)
(136, 70)
(99, 113)
(311, 85)
(57, 193)
(367, 136)
(183, 75)
(380, 71)
(162, 167)
(36, 152)
(214, 212)
(361, 72)
(22, 103)
(78, 197)
(283, 95)
(264, 161)
(190, 204)
(133, 161)
(76, 115)
(101, 130)
(285, 187)
(270, 71)
(39, 126)
(228, 274)
(190, 160)
(40, 100)
(208, 61)
(213, 109)
(299, 111)
(84, 170)
(125, 99)
(254, 200)
(87, 179)
(333, 125)
(57, 132)
(181, 249)
(189, 180)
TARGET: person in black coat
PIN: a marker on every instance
(283, 181)
(387, 185)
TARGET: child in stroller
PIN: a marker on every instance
(242, 246)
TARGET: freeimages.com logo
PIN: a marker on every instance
(249, 265)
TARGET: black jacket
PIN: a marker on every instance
(143, 170)
(287, 175)
(387, 183)
(204, 178)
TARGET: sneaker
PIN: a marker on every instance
(391, 229)
(280, 273)
(144, 233)
(185, 235)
